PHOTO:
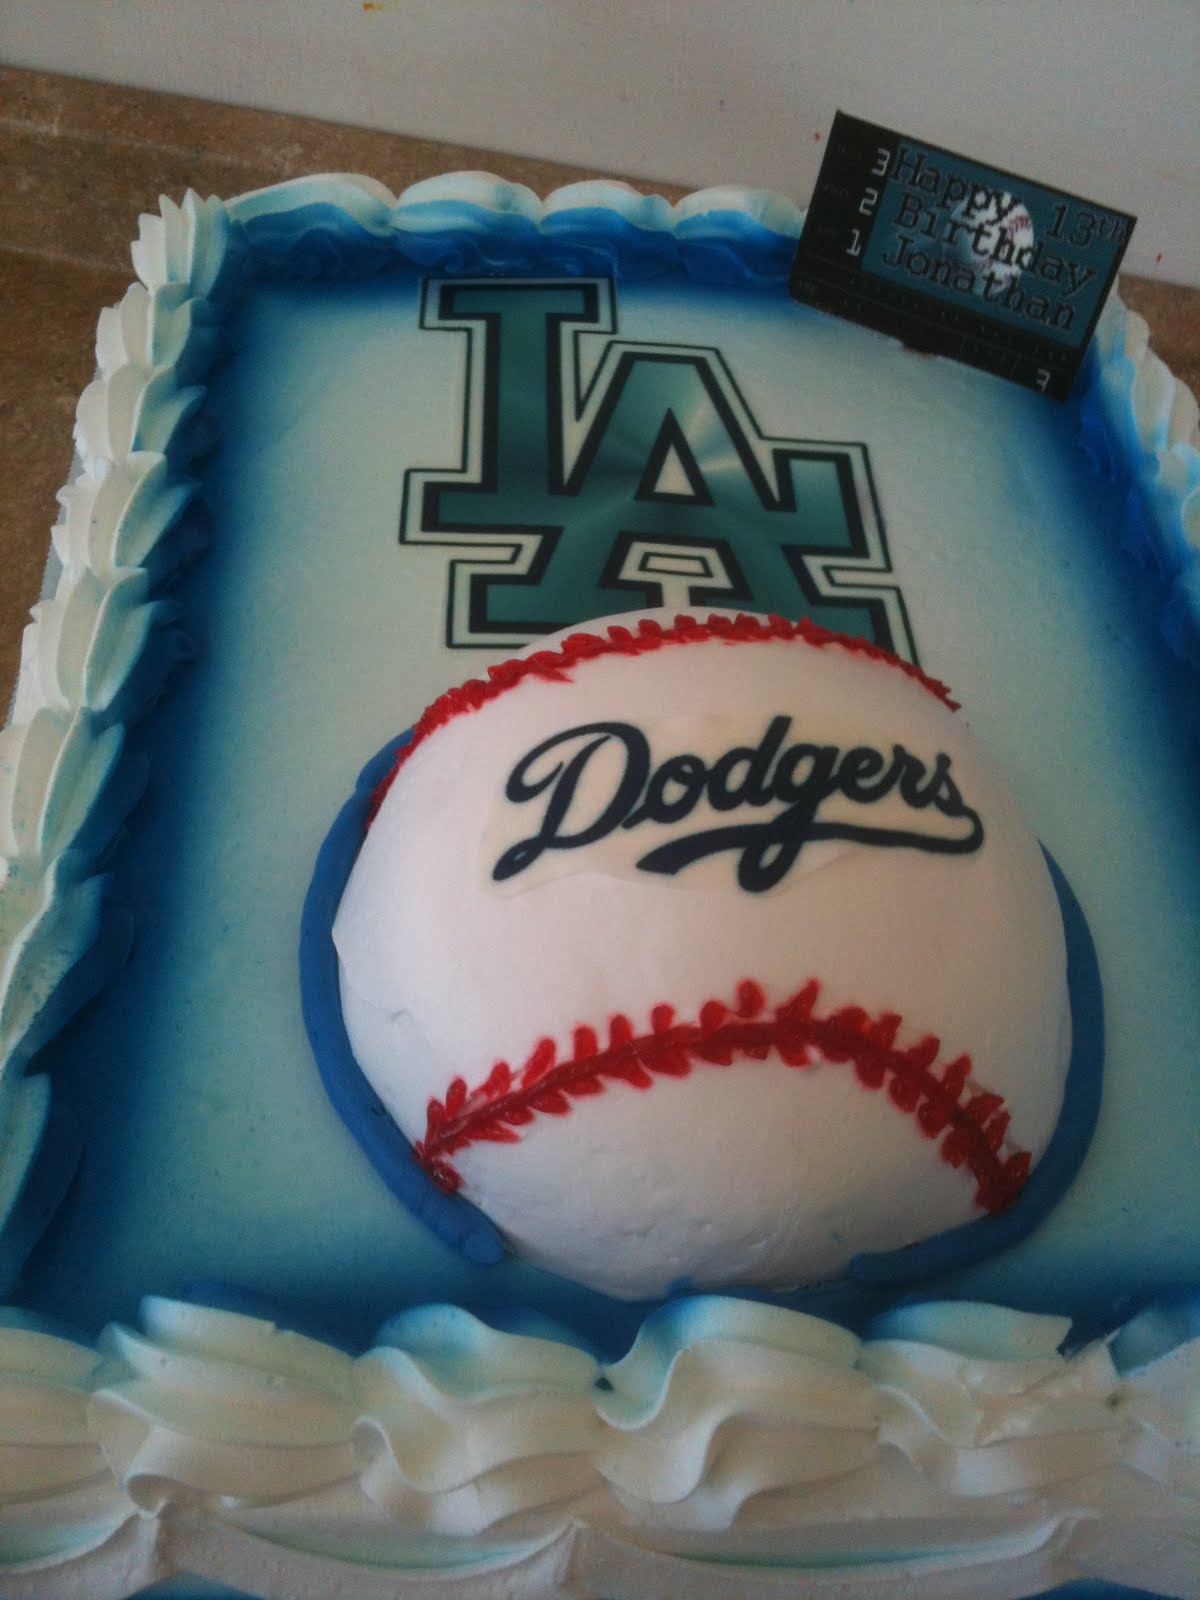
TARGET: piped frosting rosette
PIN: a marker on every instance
(730, 1435)
(98, 650)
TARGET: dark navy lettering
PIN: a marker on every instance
(798, 778)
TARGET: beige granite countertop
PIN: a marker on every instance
(79, 161)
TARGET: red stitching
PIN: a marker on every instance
(553, 666)
(508, 1099)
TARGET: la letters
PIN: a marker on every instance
(797, 778)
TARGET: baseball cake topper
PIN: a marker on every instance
(700, 950)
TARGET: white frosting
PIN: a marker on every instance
(63, 789)
(736, 1448)
(755, 1172)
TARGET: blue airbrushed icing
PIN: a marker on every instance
(579, 242)
(738, 250)
(339, 227)
(460, 1350)
(981, 1333)
(1169, 1321)
(449, 1217)
(1160, 482)
(315, 229)
(1087, 1589)
(466, 1229)
(318, 241)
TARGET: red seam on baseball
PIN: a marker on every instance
(553, 666)
(508, 1099)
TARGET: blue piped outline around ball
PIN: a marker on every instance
(467, 1230)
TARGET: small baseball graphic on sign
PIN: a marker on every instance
(994, 240)
(706, 950)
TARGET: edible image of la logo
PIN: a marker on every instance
(597, 472)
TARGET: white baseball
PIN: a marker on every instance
(999, 234)
(604, 979)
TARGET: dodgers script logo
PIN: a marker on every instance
(802, 792)
(598, 474)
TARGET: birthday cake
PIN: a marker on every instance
(346, 451)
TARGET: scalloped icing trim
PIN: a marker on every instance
(97, 648)
(471, 1450)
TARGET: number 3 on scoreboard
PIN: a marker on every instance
(870, 197)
